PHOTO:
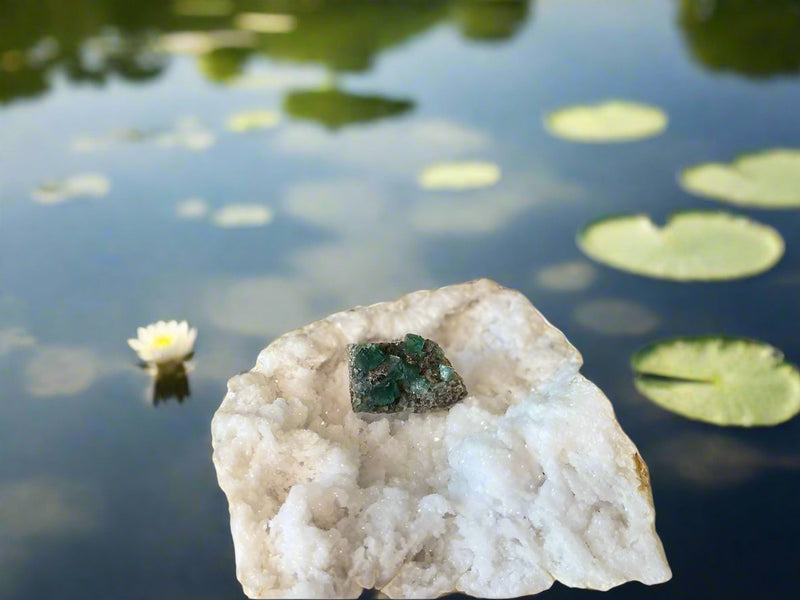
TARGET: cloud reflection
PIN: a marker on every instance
(484, 211)
(377, 251)
(616, 317)
(571, 276)
(389, 147)
(264, 306)
(713, 460)
(13, 338)
(344, 205)
(61, 371)
(35, 512)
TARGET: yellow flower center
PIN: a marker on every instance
(162, 341)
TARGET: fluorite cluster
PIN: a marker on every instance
(408, 375)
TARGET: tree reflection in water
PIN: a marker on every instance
(92, 41)
(750, 37)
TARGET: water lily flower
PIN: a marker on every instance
(164, 342)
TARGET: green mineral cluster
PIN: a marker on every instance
(408, 375)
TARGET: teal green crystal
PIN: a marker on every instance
(408, 375)
(414, 343)
(445, 372)
(369, 357)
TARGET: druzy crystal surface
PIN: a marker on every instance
(527, 480)
(408, 375)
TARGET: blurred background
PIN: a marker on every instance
(248, 228)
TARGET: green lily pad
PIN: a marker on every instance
(724, 381)
(692, 246)
(252, 120)
(459, 175)
(769, 179)
(609, 121)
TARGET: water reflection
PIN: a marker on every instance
(242, 215)
(170, 382)
(394, 148)
(750, 37)
(484, 211)
(14, 338)
(490, 20)
(83, 185)
(86, 40)
(202, 8)
(614, 316)
(191, 208)
(93, 41)
(571, 276)
(36, 512)
(712, 460)
(335, 108)
(61, 371)
(266, 23)
(259, 306)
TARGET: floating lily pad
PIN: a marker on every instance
(266, 23)
(242, 215)
(203, 42)
(191, 208)
(609, 121)
(769, 179)
(724, 381)
(459, 175)
(251, 120)
(83, 185)
(188, 133)
(692, 246)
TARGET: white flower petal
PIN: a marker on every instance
(150, 342)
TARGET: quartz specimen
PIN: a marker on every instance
(411, 375)
(527, 480)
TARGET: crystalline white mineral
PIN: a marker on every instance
(527, 480)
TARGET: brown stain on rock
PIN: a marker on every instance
(643, 474)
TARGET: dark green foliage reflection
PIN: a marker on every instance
(171, 382)
(92, 41)
(756, 38)
(87, 41)
(335, 108)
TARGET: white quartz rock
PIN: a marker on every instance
(527, 480)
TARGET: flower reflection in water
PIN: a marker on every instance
(170, 380)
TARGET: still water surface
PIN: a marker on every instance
(104, 495)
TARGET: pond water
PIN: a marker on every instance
(104, 494)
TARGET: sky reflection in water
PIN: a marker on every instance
(102, 496)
